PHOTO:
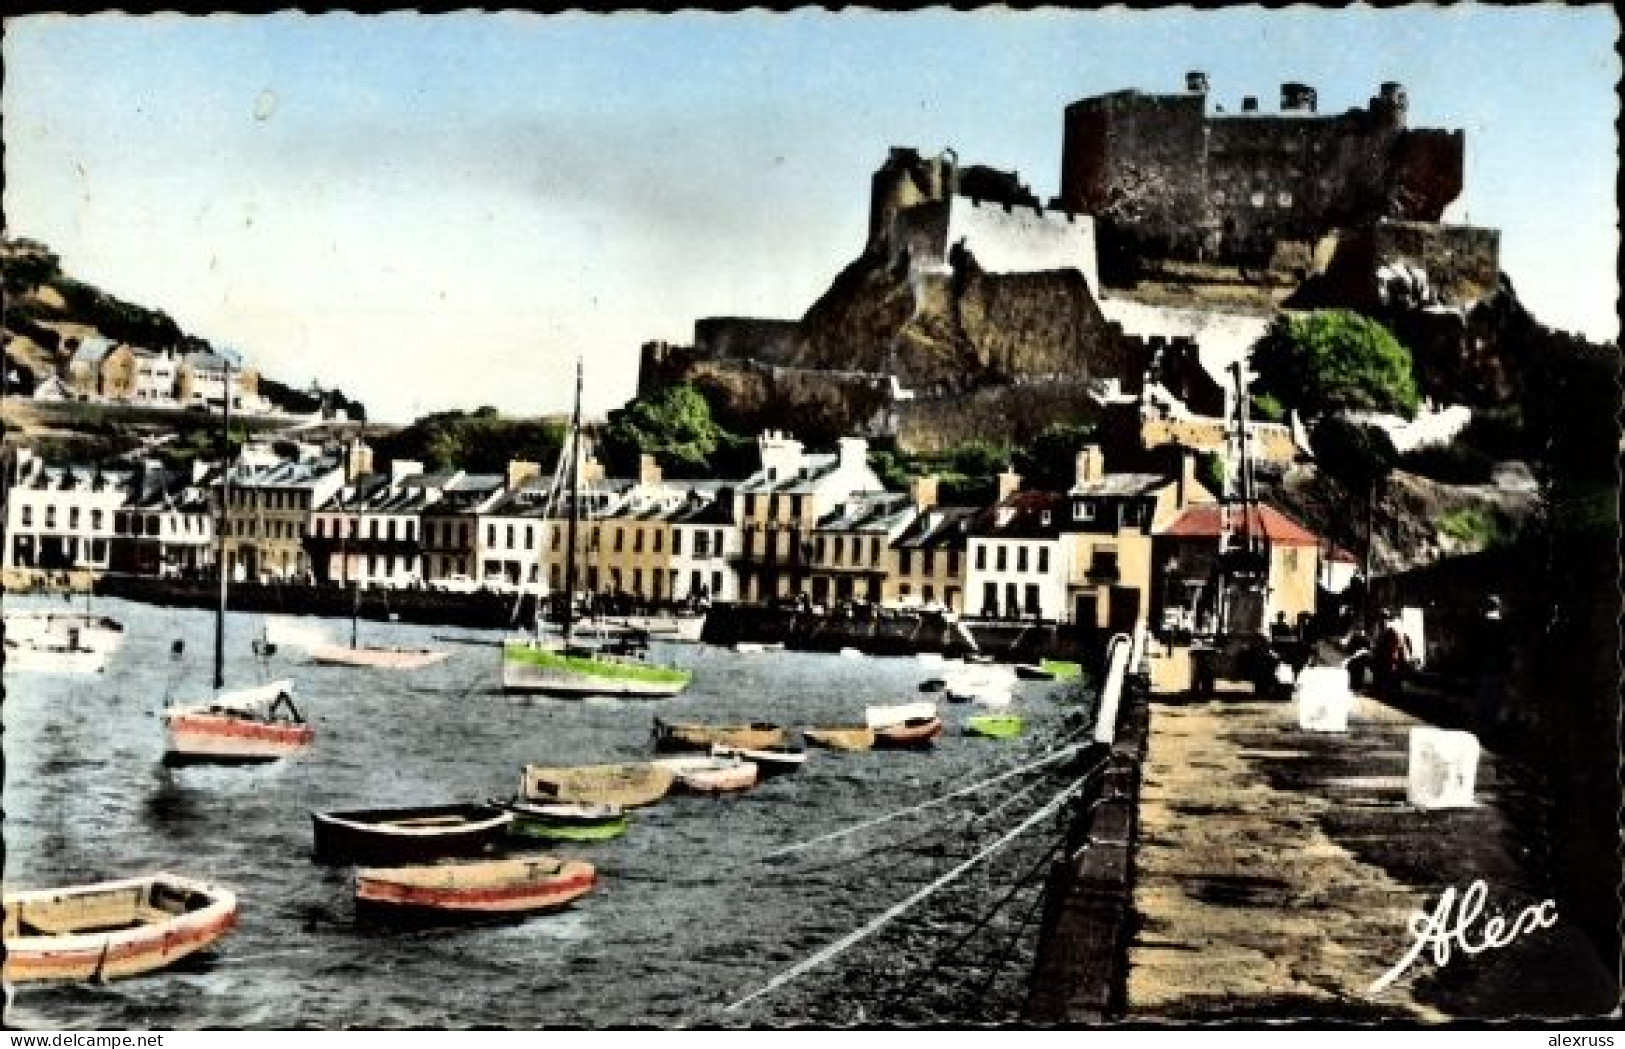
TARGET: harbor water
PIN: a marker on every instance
(691, 914)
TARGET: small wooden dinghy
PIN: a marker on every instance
(769, 761)
(880, 717)
(376, 658)
(243, 726)
(712, 775)
(422, 833)
(841, 737)
(994, 726)
(1034, 672)
(676, 735)
(934, 684)
(628, 785)
(112, 929)
(915, 733)
(565, 821)
(475, 888)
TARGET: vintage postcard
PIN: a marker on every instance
(1080, 518)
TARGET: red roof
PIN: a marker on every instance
(1205, 521)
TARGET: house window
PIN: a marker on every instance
(637, 581)
(462, 533)
(390, 530)
(904, 590)
(1103, 565)
(929, 566)
(1032, 599)
(716, 542)
(716, 583)
(928, 593)
(509, 544)
(750, 506)
(1290, 561)
(904, 562)
(677, 541)
(637, 540)
(840, 545)
(96, 520)
(321, 527)
(818, 550)
(874, 550)
(50, 517)
(372, 528)
(981, 559)
(530, 537)
(990, 596)
(1001, 558)
(553, 577)
(372, 564)
(773, 508)
(491, 535)
(1021, 558)
(659, 542)
(620, 536)
(28, 517)
(795, 506)
(1043, 559)
(953, 562)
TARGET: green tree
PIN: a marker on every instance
(1049, 460)
(1334, 359)
(676, 427)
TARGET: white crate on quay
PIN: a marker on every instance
(1443, 767)
(1324, 699)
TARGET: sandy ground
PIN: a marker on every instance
(1278, 868)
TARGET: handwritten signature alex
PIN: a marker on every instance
(1450, 926)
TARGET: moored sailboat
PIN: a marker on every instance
(564, 666)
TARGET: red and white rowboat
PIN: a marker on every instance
(913, 733)
(712, 775)
(112, 929)
(478, 887)
(247, 725)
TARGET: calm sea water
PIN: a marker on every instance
(688, 916)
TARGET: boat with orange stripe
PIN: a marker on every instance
(474, 888)
(112, 929)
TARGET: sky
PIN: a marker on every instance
(443, 212)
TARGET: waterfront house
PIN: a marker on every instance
(928, 559)
(1019, 556)
(850, 556)
(450, 523)
(1111, 520)
(780, 504)
(165, 529)
(157, 375)
(268, 515)
(704, 535)
(102, 369)
(367, 533)
(1281, 569)
(59, 519)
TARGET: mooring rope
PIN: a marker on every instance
(1061, 754)
(851, 939)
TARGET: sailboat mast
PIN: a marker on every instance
(355, 614)
(574, 483)
(220, 537)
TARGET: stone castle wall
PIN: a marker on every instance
(1004, 238)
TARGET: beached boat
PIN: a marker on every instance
(910, 734)
(628, 785)
(934, 684)
(851, 653)
(475, 888)
(677, 735)
(756, 647)
(1061, 669)
(425, 832)
(770, 761)
(1034, 672)
(709, 775)
(981, 683)
(994, 726)
(565, 821)
(242, 726)
(841, 737)
(377, 658)
(880, 717)
(112, 929)
(29, 657)
(685, 628)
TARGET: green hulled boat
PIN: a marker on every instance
(1063, 670)
(994, 726)
(566, 822)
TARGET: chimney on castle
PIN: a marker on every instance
(1196, 82)
(648, 470)
(1090, 466)
(520, 471)
(781, 454)
(923, 490)
(1009, 483)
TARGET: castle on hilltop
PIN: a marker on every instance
(977, 310)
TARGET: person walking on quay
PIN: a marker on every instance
(1391, 656)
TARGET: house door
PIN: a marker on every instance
(1124, 609)
(1085, 609)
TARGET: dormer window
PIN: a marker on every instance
(1043, 518)
(1006, 513)
(1084, 510)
